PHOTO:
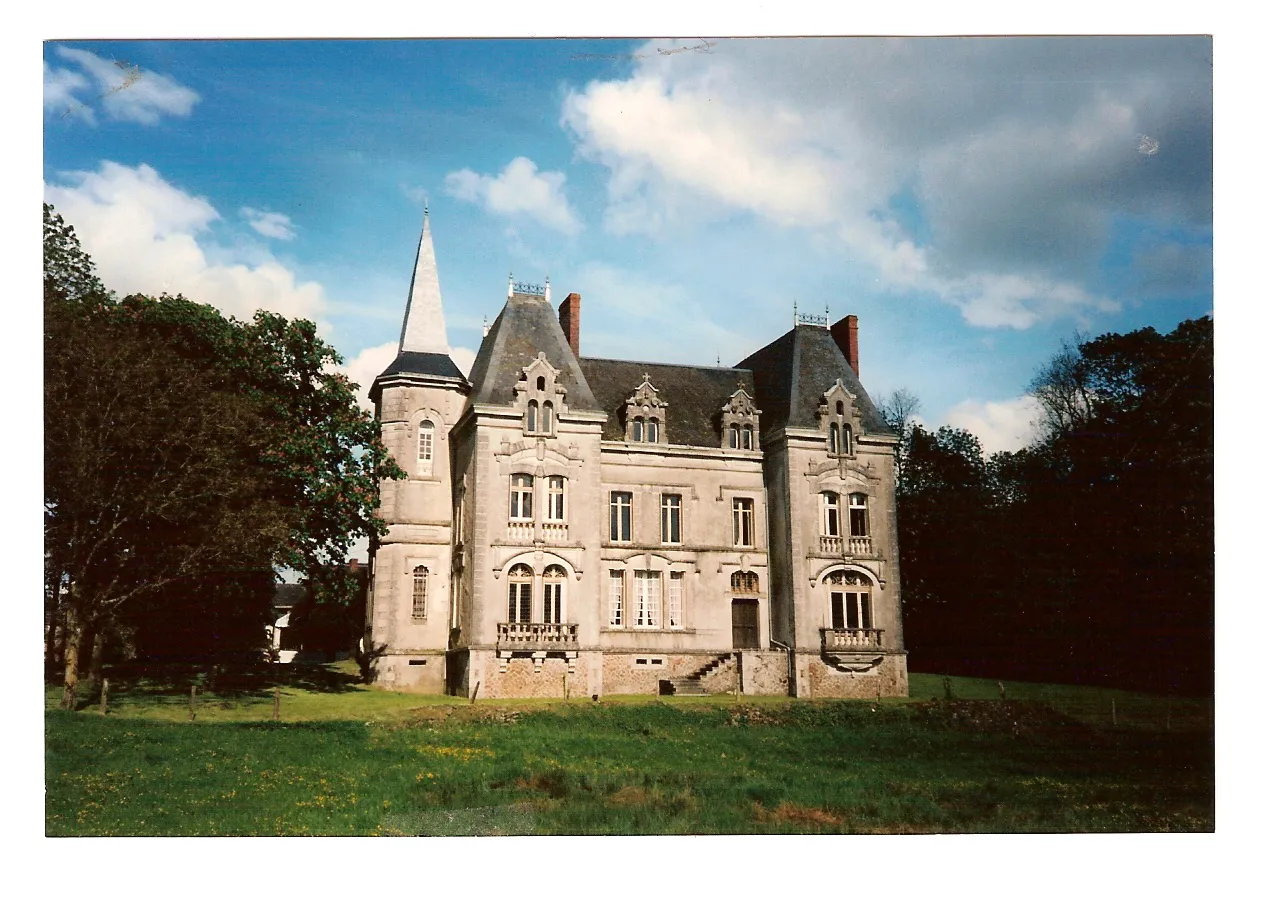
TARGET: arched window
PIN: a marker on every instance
(540, 383)
(637, 430)
(830, 515)
(520, 608)
(652, 431)
(734, 437)
(747, 437)
(839, 407)
(555, 509)
(834, 445)
(847, 443)
(426, 447)
(547, 418)
(555, 575)
(850, 601)
(858, 525)
(531, 416)
(419, 592)
(521, 497)
(745, 582)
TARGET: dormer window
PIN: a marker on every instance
(740, 421)
(541, 398)
(838, 416)
(644, 414)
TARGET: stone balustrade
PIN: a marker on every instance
(847, 638)
(536, 636)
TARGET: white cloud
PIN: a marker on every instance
(518, 190)
(988, 173)
(126, 92)
(370, 362)
(148, 236)
(269, 224)
(60, 87)
(1004, 425)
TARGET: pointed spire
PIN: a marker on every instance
(423, 330)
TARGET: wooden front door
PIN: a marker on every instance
(746, 627)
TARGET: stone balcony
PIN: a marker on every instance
(535, 636)
(849, 639)
(842, 546)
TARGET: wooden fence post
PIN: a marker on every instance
(949, 689)
(277, 702)
(193, 702)
(105, 695)
(474, 692)
(1114, 712)
(1002, 690)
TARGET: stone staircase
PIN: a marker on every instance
(696, 684)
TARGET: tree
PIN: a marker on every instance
(181, 445)
(899, 411)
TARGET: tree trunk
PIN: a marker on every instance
(74, 636)
(98, 654)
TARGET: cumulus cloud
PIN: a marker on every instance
(149, 236)
(987, 172)
(1004, 425)
(518, 190)
(269, 224)
(125, 92)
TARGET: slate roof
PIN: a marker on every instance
(793, 372)
(526, 326)
(694, 394)
(436, 364)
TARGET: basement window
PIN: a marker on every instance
(648, 662)
(417, 661)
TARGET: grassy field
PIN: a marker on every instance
(347, 760)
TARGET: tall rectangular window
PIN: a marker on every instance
(621, 517)
(648, 592)
(670, 518)
(830, 514)
(615, 592)
(675, 579)
(419, 592)
(554, 508)
(857, 524)
(521, 497)
(426, 447)
(744, 522)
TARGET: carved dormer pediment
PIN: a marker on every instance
(539, 396)
(740, 421)
(645, 414)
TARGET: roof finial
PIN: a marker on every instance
(795, 313)
(828, 312)
(547, 287)
(718, 360)
(426, 208)
(510, 286)
(485, 326)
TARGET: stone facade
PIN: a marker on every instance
(579, 526)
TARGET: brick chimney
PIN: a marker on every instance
(845, 333)
(569, 318)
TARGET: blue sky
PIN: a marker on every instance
(973, 201)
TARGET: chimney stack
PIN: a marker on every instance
(845, 333)
(569, 318)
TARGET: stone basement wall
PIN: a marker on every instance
(764, 673)
(820, 681)
(523, 678)
(393, 672)
(620, 674)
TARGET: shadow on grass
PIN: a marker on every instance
(238, 681)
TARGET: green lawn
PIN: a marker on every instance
(348, 760)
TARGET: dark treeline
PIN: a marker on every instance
(1088, 556)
